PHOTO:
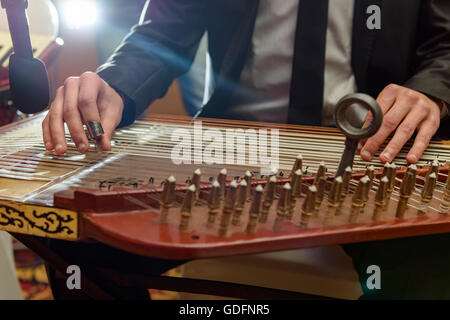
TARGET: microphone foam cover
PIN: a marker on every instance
(30, 89)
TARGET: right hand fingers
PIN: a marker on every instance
(65, 109)
(90, 86)
(72, 115)
(386, 100)
(55, 129)
(97, 101)
(76, 103)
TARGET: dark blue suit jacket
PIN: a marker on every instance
(412, 48)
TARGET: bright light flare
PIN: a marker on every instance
(80, 13)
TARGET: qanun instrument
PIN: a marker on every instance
(136, 199)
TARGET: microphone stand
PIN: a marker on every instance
(29, 86)
(15, 11)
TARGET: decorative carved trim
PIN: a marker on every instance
(37, 220)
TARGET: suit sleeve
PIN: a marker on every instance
(432, 72)
(154, 53)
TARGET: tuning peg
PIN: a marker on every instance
(308, 206)
(241, 200)
(186, 207)
(320, 194)
(427, 193)
(445, 203)
(296, 191)
(391, 174)
(269, 195)
(228, 207)
(196, 182)
(298, 164)
(167, 197)
(434, 168)
(222, 179)
(255, 210)
(334, 200)
(365, 193)
(370, 172)
(358, 199)
(214, 201)
(413, 169)
(248, 179)
(346, 178)
(283, 206)
(406, 190)
(380, 198)
(320, 172)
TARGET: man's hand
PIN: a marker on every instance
(81, 99)
(405, 111)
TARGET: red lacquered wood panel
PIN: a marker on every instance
(141, 233)
(110, 217)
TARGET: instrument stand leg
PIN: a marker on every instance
(108, 273)
(58, 285)
(59, 255)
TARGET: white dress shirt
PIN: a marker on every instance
(263, 94)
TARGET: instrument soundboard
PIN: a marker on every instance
(137, 198)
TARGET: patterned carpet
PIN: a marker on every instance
(32, 276)
(34, 283)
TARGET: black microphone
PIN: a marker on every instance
(28, 79)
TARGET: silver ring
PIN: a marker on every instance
(94, 129)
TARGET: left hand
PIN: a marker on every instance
(405, 111)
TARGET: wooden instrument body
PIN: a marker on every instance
(71, 203)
